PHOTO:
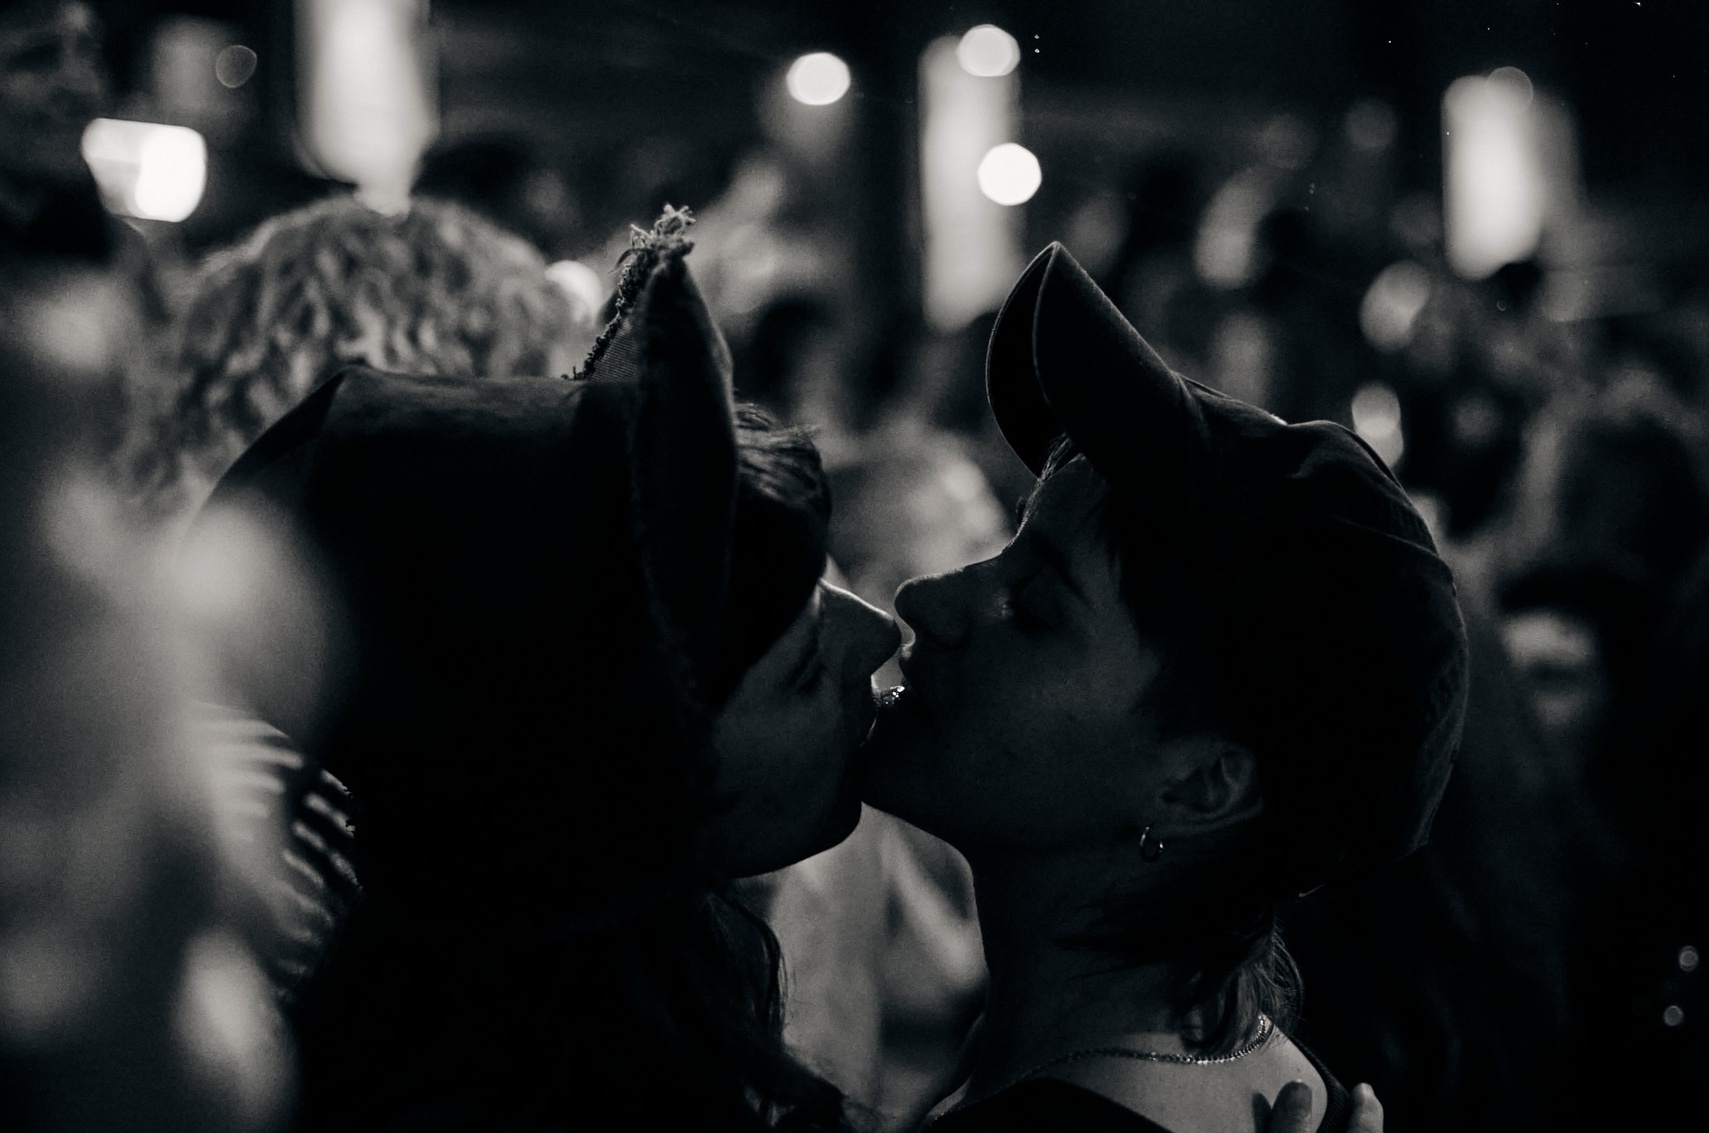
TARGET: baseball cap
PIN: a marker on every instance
(1318, 591)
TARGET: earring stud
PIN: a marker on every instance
(1150, 849)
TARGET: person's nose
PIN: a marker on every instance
(935, 607)
(871, 633)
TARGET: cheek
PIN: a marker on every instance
(795, 753)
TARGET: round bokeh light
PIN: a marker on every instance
(818, 79)
(988, 51)
(1009, 174)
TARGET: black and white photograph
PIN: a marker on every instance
(753, 566)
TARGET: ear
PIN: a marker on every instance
(1216, 787)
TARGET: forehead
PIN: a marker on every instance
(1068, 505)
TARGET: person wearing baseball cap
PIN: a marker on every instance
(1220, 665)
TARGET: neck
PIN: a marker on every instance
(1048, 997)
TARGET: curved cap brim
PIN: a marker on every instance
(1064, 361)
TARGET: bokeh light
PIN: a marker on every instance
(581, 282)
(173, 174)
(146, 169)
(988, 51)
(1515, 82)
(1376, 418)
(1495, 188)
(818, 79)
(235, 65)
(1371, 125)
(1009, 174)
(1392, 305)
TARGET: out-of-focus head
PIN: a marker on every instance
(53, 81)
(503, 178)
(552, 600)
(1611, 508)
(1200, 594)
(434, 290)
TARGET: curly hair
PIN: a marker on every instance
(435, 289)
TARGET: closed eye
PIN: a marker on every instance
(1023, 606)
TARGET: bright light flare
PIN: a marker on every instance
(988, 51)
(1009, 174)
(818, 79)
(1494, 191)
(581, 282)
(368, 101)
(146, 169)
(1376, 418)
(1392, 305)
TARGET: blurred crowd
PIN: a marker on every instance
(1539, 960)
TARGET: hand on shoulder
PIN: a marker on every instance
(1292, 1111)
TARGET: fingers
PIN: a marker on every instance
(297, 815)
(1367, 1111)
(1292, 1111)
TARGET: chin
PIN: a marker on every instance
(893, 765)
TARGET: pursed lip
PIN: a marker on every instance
(908, 699)
(905, 662)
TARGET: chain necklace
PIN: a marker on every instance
(1265, 1029)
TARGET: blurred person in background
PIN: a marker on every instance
(950, 389)
(53, 82)
(129, 998)
(502, 178)
(1152, 276)
(434, 289)
(1610, 510)
(53, 227)
(1481, 360)
(1611, 513)
(1307, 291)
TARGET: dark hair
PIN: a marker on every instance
(1240, 967)
(780, 462)
(666, 1001)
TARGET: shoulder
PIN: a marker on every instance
(1229, 1097)
(1044, 1104)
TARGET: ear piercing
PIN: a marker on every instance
(1150, 848)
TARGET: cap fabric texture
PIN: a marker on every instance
(1316, 586)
